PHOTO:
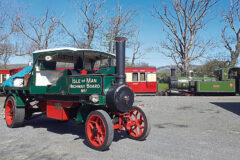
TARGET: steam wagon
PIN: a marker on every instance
(99, 99)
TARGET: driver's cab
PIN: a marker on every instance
(52, 64)
(223, 74)
(234, 73)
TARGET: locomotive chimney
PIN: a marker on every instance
(120, 60)
(173, 72)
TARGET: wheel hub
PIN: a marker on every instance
(95, 131)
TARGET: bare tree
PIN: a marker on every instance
(91, 19)
(7, 23)
(120, 24)
(232, 20)
(182, 24)
(7, 51)
(39, 31)
(137, 51)
(8, 18)
(74, 37)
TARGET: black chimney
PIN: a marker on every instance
(120, 60)
(173, 72)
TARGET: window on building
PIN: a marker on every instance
(135, 77)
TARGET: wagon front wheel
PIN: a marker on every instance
(14, 116)
(99, 130)
(139, 127)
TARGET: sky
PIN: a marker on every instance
(151, 30)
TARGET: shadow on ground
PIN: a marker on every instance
(66, 127)
(233, 107)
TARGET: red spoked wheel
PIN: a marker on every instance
(99, 130)
(138, 126)
(14, 116)
(96, 130)
(9, 112)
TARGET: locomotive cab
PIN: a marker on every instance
(223, 74)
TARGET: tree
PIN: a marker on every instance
(137, 52)
(91, 21)
(140, 64)
(182, 24)
(121, 24)
(232, 20)
(7, 23)
(209, 67)
(39, 31)
(7, 51)
(8, 18)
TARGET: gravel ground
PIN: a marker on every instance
(183, 128)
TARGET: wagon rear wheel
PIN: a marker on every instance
(14, 116)
(99, 130)
(140, 128)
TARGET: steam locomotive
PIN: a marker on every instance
(225, 82)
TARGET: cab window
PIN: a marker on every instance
(101, 63)
(64, 65)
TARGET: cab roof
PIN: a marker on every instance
(72, 51)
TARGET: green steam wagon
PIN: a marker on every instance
(100, 99)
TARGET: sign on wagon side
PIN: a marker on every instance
(85, 85)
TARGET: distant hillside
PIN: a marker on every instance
(164, 69)
(12, 66)
(167, 68)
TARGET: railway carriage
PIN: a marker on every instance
(7, 73)
(4, 75)
(142, 80)
(99, 99)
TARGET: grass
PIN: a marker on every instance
(162, 87)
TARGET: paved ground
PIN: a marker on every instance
(182, 128)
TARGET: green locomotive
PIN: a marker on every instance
(100, 99)
(225, 82)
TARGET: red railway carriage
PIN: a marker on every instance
(142, 80)
(14, 71)
(6, 73)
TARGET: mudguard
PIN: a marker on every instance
(19, 102)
